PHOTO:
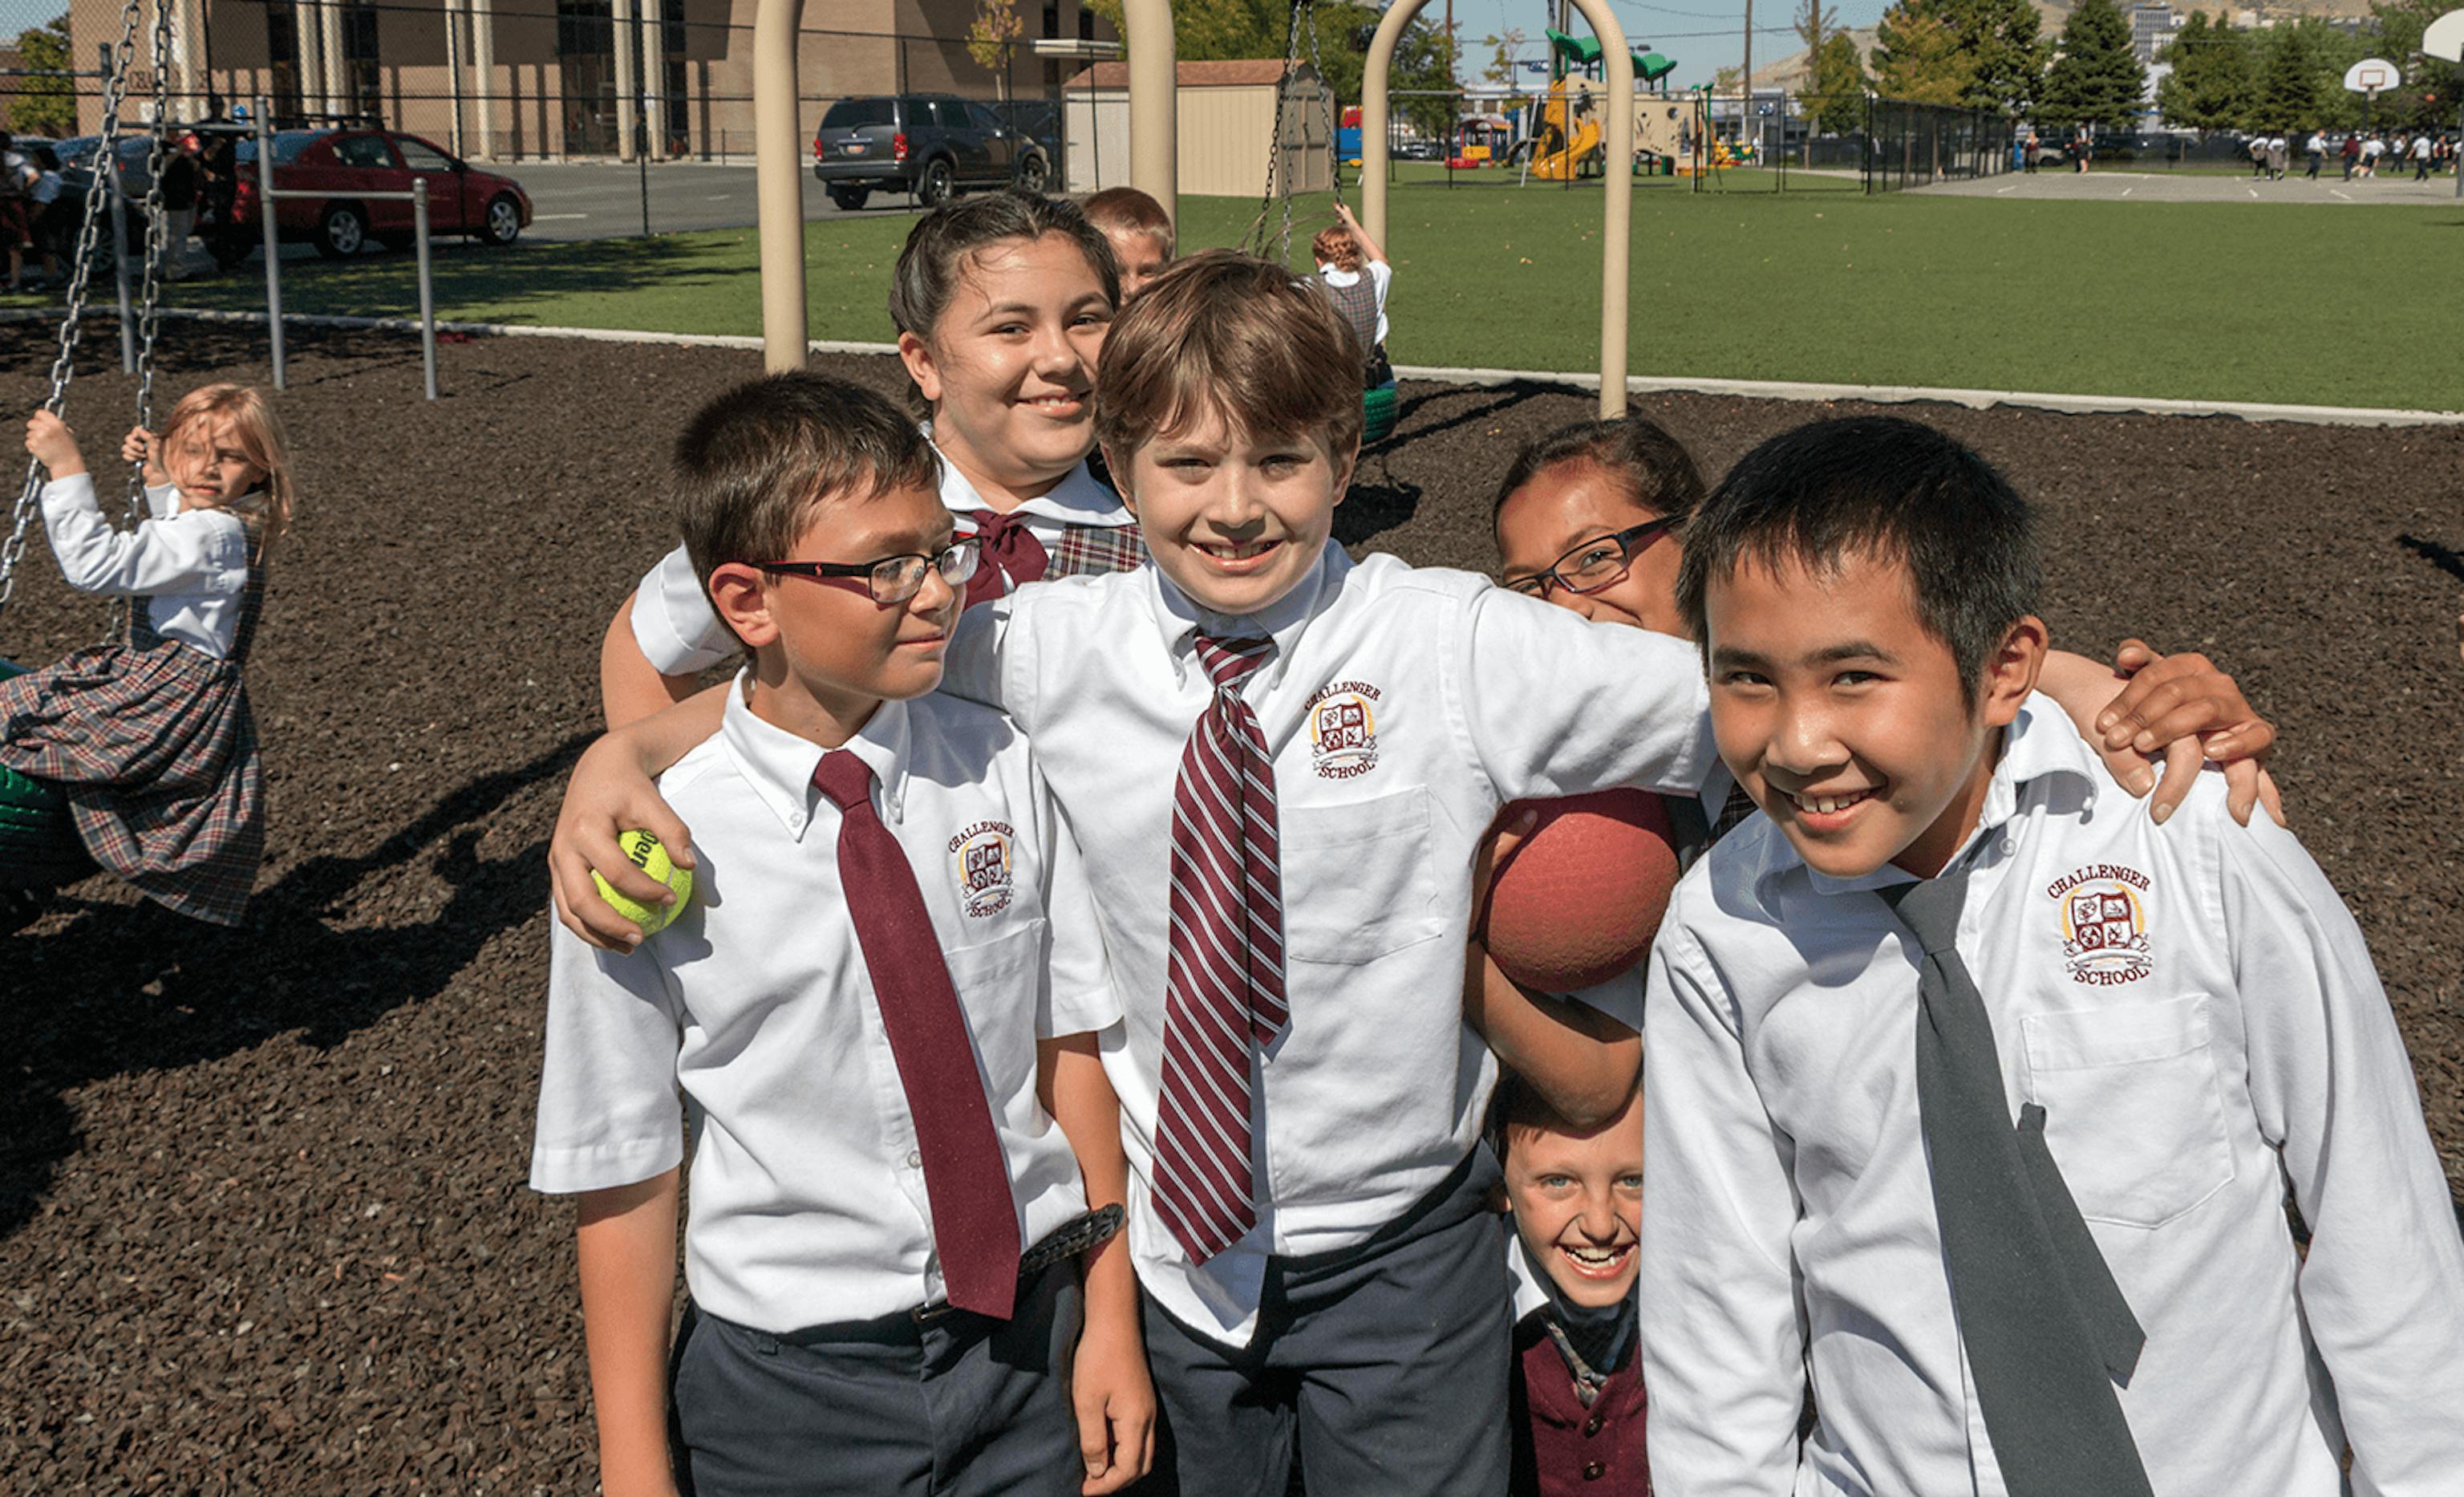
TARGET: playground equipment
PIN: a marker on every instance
(1568, 132)
(1617, 197)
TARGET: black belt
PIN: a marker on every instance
(1087, 1229)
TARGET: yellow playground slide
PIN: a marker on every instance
(1562, 165)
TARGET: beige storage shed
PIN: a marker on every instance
(1228, 120)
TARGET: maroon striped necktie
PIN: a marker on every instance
(1011, 556)
(966, 1181)
(1225, 988)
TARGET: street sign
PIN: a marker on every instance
(2445, 37)
(2371, 74)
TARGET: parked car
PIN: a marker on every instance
(337, 165)
(930, 144)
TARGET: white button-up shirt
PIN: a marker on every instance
(2195, 1011)
(1402, 708)
(807, 1189)
(680, 634)
(191, 566)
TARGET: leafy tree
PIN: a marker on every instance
(2006, 50)
(44, 106)
(2210, 86)
(1205, 31)
(2427, 99)
(2096, 79)
(1814, 21)
(1918, 57)
(992, 34)
(1727, 80)
(1839, 84)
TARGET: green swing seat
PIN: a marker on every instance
(38, 843)
(1377, 406)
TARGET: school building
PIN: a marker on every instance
(550, 79)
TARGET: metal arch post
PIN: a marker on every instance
(1155, 105)
(1618, 205)
(778, 182)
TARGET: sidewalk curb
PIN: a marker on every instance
(1449, 374)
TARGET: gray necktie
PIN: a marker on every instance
(2047, 1330)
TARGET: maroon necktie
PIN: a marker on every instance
(1011, 556)
(975, 1223)
(1223, 989)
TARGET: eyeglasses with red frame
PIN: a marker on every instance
(1594, 564)
(890, 578)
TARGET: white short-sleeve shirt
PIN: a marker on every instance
(190, 565)
(1381, 275)
(2195, 1011)
(809, 1203)
(679, 633)
(1402, 708)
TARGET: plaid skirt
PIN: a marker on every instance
(155, 748)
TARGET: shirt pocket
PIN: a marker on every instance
(1000, 985)
(1358, 882)
(2134, 1111)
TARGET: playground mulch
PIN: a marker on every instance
(262, 1219)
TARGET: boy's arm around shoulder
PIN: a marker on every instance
(2382, 1286)
(1723, 1342)
(612, 791)
(1559, 706)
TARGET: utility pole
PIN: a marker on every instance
(1745, 111)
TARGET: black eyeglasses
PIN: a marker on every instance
(890, 578)
(1594, 564)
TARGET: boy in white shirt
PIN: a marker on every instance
(1945, 922)
(1280, 763)
(883, 994)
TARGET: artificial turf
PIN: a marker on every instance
(2219, 301)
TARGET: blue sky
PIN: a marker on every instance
(1701, 34)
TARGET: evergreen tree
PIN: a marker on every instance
(2096, 79)
(2287, 95)
(2006, 50)
(1918, 57)
(2208, 88)
(43, 106)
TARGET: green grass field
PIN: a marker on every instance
(2186, 301)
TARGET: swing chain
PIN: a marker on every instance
(149, 316)
(80, 273)
(1278, 179)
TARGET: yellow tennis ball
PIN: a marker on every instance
(647, 854)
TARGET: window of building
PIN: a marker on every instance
(585, 55)
(282, 60)
(362, 89)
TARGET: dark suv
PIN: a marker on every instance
(930, 144)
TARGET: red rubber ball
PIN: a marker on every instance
(1581, 899)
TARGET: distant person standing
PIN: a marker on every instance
(2257, 157)
(2352, 153)
(183, 179)
(2279, 156)
(2371, 150)
(2082, 148)
(2035, 149)
(2315, 148)
(2421, 157)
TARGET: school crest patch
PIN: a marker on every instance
(1343, 730)
(2102, 909)
(984, 855)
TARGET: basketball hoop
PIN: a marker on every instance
(2371, 74)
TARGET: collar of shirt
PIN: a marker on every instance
(1283, 621)
(778, 765)
(2036, 744)
(1077, 499)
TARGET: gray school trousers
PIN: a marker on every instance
(957, 1406)
(1383, 1369)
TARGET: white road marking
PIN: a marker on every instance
(2347, 196)
(717, 197)
(2127, 191)
(2013, 188)
(540, 218)
(2253, 191)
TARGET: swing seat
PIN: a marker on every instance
(39, 847)
(1377, 406)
